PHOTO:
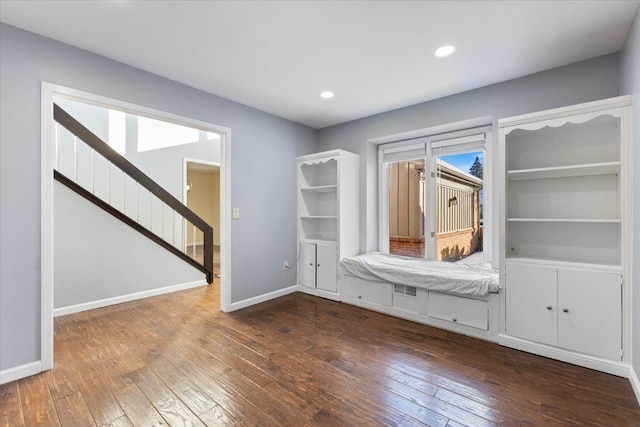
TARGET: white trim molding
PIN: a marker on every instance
(592, 362)
(225, 221)
(433, 130)
(19, 372)
(126, 298)
(262, 298)
(548, 116)
(46, 225)
(635, 383)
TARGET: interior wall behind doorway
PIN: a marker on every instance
(204, 199)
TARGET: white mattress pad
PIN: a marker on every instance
(441, 276)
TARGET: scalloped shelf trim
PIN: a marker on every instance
(561, 121)
(318, 161)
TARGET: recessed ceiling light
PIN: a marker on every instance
(327, 94)
(444, 51)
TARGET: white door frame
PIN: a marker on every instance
(48, 91)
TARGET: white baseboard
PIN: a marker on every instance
(20, 372)
(335, 296)
(609, 366)
(125, 298)
(262, 298)
(635, 382)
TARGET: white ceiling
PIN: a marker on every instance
(375, 55)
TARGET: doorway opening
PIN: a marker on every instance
(207, 132)
(201, 194)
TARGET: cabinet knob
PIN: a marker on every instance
(359, 296)
(549, 307)
(566, 310)
(318, 265)
(455, 319)
(310, 263)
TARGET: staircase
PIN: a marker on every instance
(132, 196)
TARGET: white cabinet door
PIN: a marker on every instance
(307, 266)
(590, 312)
(531, 295)
(326, 267)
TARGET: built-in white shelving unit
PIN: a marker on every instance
(566, 232)
(327, 219)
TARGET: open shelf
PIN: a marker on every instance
(321, 188)
(577, 220)
(585, 198)
(321, 228)
(594, 142)
(565, 262)
(590, 242)
(317, 175)
(317, 241)
(605, 168)
(319, 202)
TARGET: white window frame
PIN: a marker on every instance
(454, 142)
(383, 175)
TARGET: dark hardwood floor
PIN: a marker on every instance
(299, 361)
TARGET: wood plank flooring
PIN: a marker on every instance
(297, 361)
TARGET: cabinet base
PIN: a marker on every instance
(423, 318)
(609, 366)
(334, 296)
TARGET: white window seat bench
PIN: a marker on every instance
(463, 298)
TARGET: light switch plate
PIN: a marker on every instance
(236, 213)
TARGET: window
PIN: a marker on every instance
(154, 134)
(117, 131)
(107, 124)
(404, 169)
(431, 197)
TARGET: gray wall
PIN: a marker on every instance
(263, 174)
(630, 72)
(91, 263)
(581, 82)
